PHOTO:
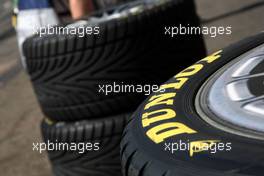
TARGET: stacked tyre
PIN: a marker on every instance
(67, 72)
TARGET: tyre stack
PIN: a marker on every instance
(67, 70)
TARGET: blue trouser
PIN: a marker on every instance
(33, 4)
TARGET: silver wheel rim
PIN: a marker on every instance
(230, 100)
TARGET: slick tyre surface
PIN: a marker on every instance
(151, 141)
(104, 133)
(67, 70)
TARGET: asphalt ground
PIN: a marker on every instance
(20, 115)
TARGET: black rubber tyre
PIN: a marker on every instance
(161, 124)
(66, 69)
(103, 162)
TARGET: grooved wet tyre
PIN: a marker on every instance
(100, 157)
(66, 70)
(167, 136)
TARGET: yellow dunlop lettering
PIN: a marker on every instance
(200, 146)
(158, 133)
(155, 116)
(161, 132)
(212, 57)
(160, 99)
(192, 70)
(177, 85)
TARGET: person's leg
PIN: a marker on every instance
(79, 8)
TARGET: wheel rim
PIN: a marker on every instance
(233, 98)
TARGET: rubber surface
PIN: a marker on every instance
(67, 70)
(104, 161)
(169, 119)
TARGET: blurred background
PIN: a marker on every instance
(19, 110)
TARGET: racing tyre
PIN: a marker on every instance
(67, 71)
(205, 121)
(85, 147)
